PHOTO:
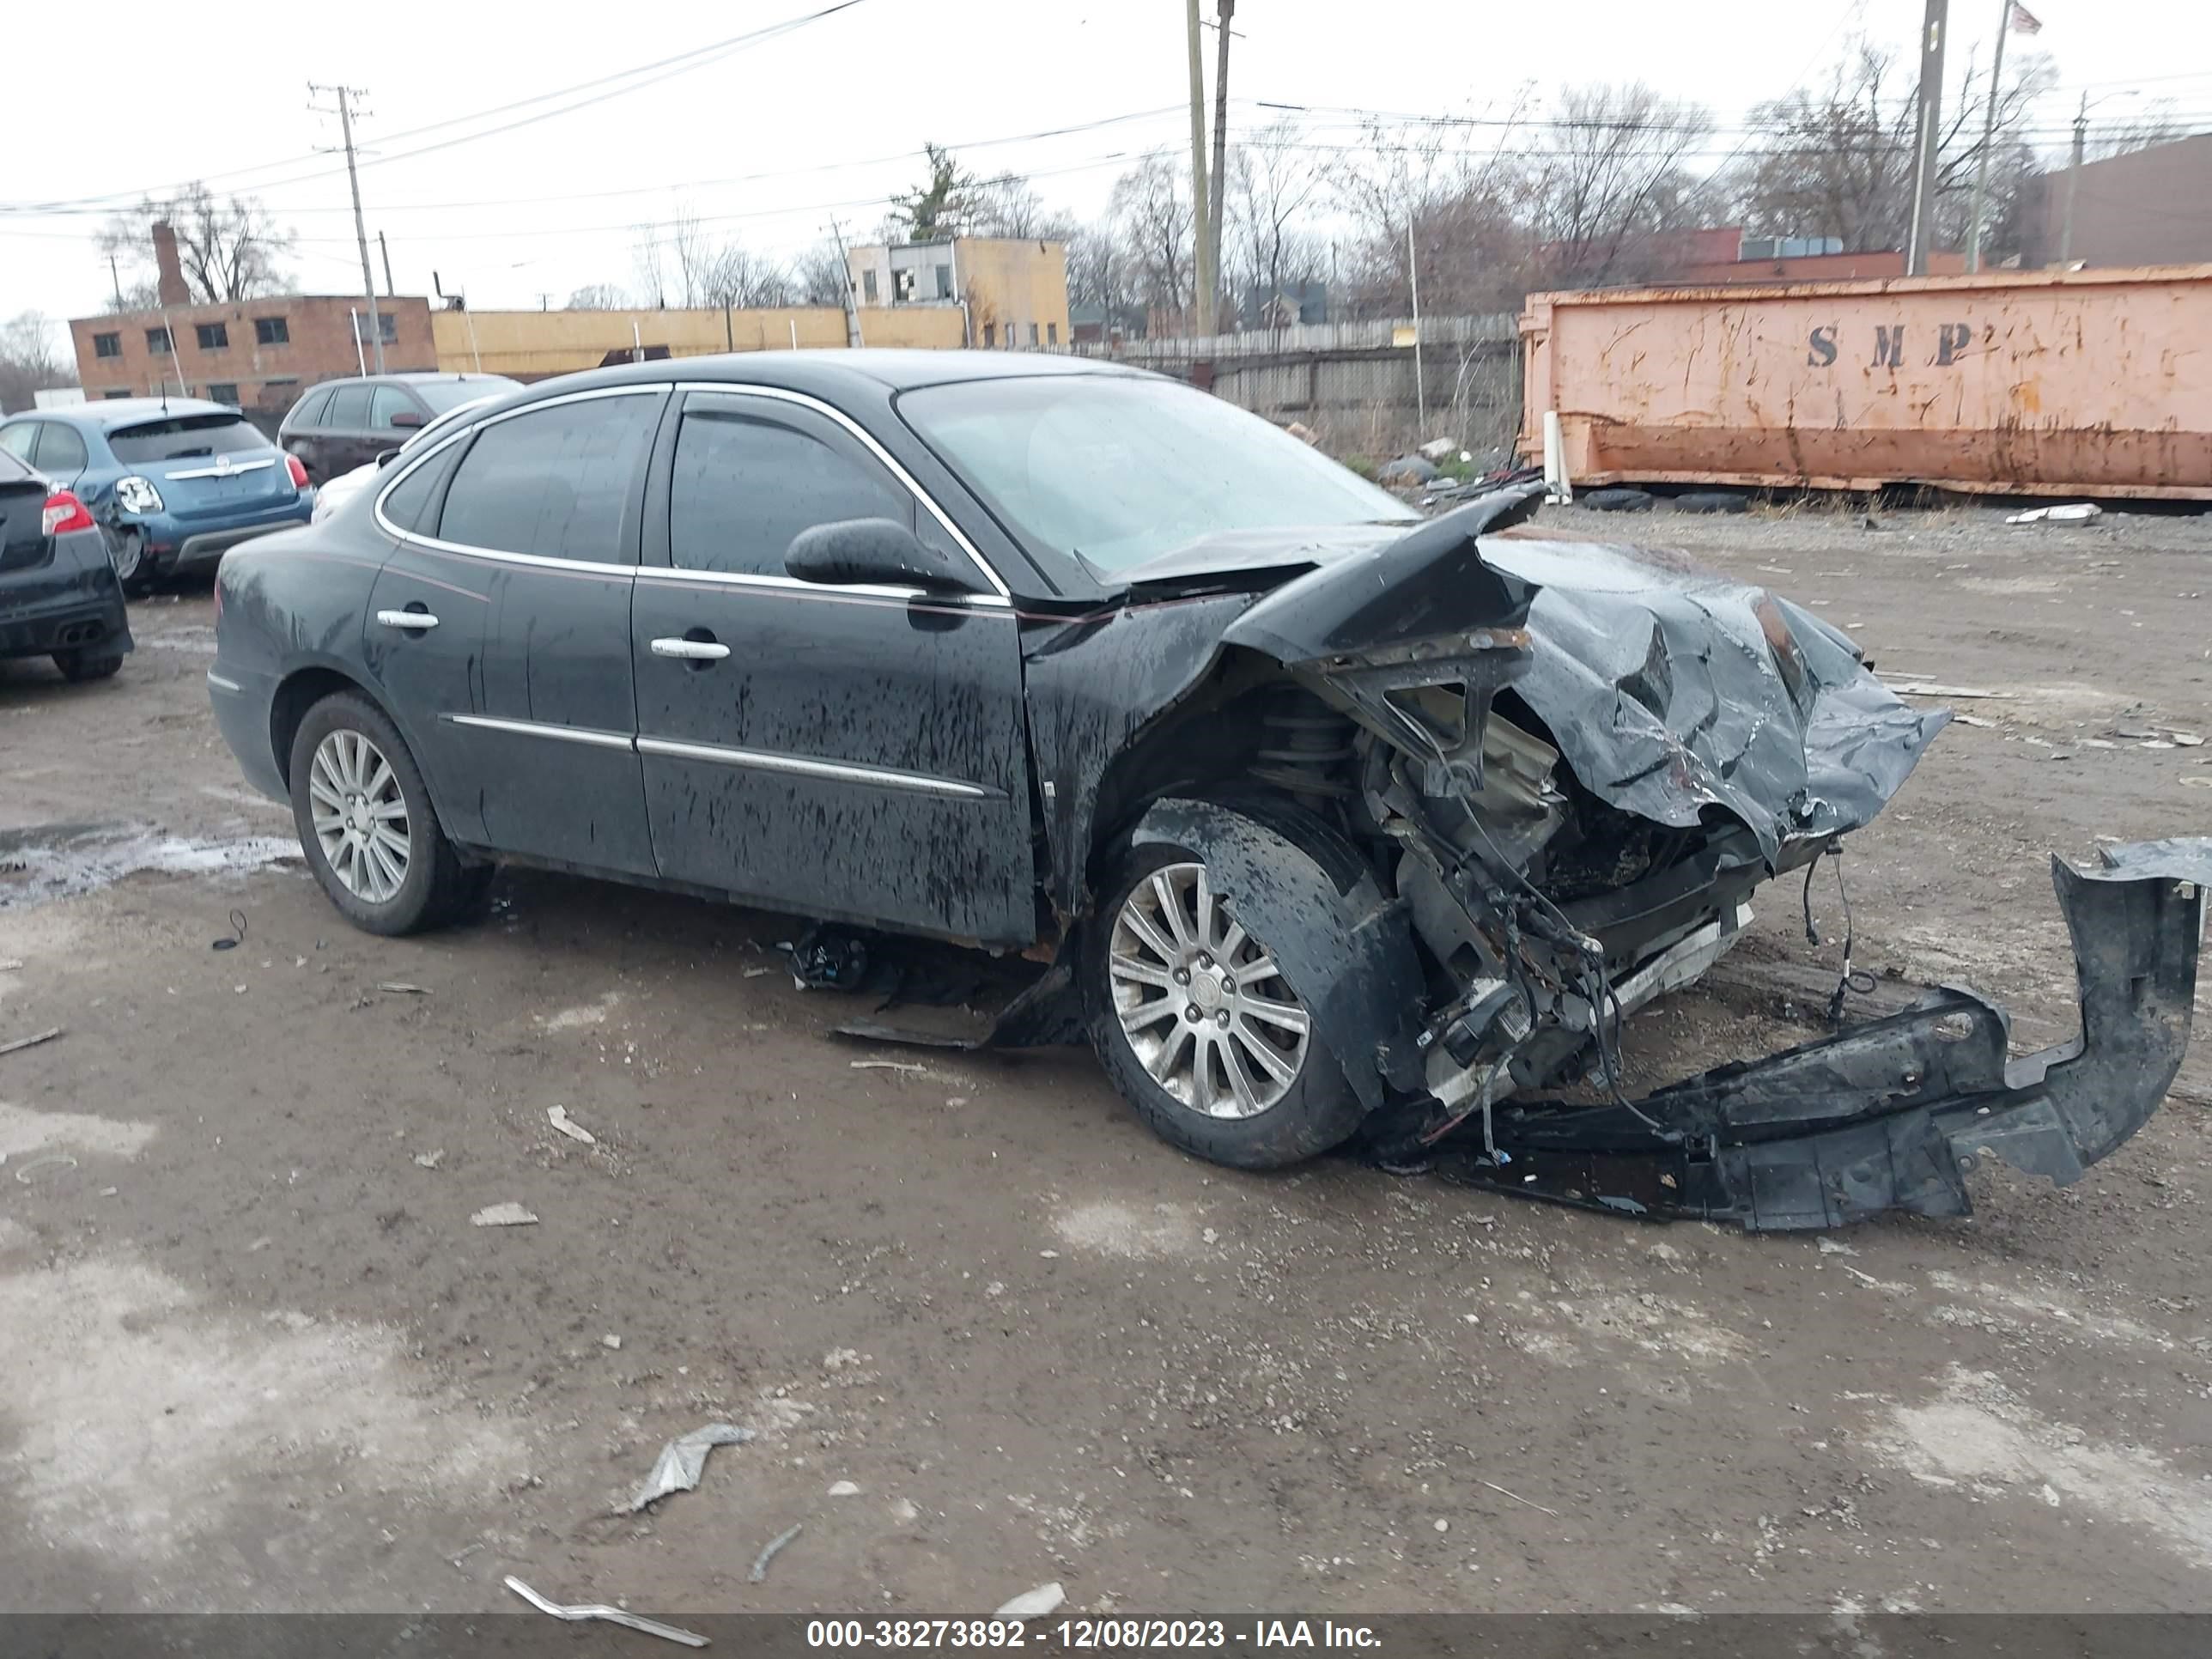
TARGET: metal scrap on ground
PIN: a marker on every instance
(600, 1610)
(683, 1459)
(1033, 1604)
(32, 1040)
(759, 1574)
(559, 1118)
(503, 1215)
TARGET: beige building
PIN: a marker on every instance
(1007, 291)
(530, 345)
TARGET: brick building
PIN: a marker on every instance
(2143, 208)
(259, 355)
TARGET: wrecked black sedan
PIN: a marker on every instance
(1328, 821)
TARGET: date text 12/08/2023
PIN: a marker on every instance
(1088, 1633)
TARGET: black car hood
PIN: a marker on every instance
(1671, 690)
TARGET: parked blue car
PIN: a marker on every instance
(171, 483)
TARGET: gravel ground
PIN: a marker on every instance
(257, 1356)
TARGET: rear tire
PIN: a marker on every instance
(80, 666)
(367, 826)
(1235, 1086)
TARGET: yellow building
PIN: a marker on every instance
(1008, 291)
(530, 345)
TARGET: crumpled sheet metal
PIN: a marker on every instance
(1660, 686)
(683, 1460)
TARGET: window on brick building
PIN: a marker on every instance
(107, 345)
(213, 336)
(223, 392)
(272, 330)
(157, 342)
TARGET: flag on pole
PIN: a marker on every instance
(2022, 20)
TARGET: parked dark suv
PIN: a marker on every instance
(343, 424)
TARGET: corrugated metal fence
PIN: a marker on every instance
(1353, 382)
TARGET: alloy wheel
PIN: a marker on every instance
(1202, 1003)
(360, 816)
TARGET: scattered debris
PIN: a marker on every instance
(234, 938)
(2071, 512)
(585, 1611)
(32, 1040)
(683, 1459)
(1438, 449)
(759, 1574)
(1711, 500)
(1616, 500)
(1033, 1604)
(889, 1066)
(559, 1118)
(611, 1342)
(1305, 433)
(57, 1162)
(401, 988)
(755, 973)
(844, 1489)
(503, 1215)
(430, 1160)
(1518, 1498)
(9, 964)
(1935, 689)
(1406, 470)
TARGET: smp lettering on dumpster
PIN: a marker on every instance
(1888, 347)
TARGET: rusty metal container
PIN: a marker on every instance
(2039, 383)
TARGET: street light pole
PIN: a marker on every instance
(1989, 138)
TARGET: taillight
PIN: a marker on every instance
(65, 512)
(298, 470)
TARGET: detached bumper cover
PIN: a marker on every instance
(1895, 1114)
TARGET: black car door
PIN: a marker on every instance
(537, 544)
(848, 751)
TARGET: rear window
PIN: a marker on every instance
(442, 395)
(183, 435)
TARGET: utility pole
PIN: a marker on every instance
(1924, 155)
(385, 248)
(1988, 137)
(2073, 182)
(1202, 219)
(1224, 10)
(115, 277)
(345, 96)
(845, 287)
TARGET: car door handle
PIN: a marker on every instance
(417, 620)
(691, 650)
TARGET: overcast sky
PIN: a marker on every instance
(768, 141)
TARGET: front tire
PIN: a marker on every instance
(1195, 1025)
(366, 825)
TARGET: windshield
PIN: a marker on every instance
(182, 435)
(1119, 470)
(446, 396)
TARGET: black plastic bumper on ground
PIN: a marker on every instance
(1893, 1114)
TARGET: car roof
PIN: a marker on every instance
(824, 373)
(404, 377)
(108, 413)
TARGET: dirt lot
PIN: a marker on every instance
(253, 1355)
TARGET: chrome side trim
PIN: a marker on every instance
(779, 394)
(765, 760)
(222, 684)
(590, 736)
(225, 468)
(680, 576)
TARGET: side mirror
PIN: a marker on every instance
(878, 551)
(407, 418)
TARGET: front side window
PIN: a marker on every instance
(386, 402)
(559, 483)
(1118, 470)
(743, 487)
(213, 336)
(107, 345)
(272, 330)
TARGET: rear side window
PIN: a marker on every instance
(560, 483)
(61, 451)
(349, 408)
(743, 487)
(411, 498)
(183, 435)
(309, 411)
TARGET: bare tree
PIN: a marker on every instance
(31, 360)
(228, 247)
(655, 268)
(1151, 211)
(599, 296)
(1272, 182)
(1837, 161)
(818, 276)
(2155, 124)
(1098, 275)
(1459, 186)
(1009, 205)
(1613, 172)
